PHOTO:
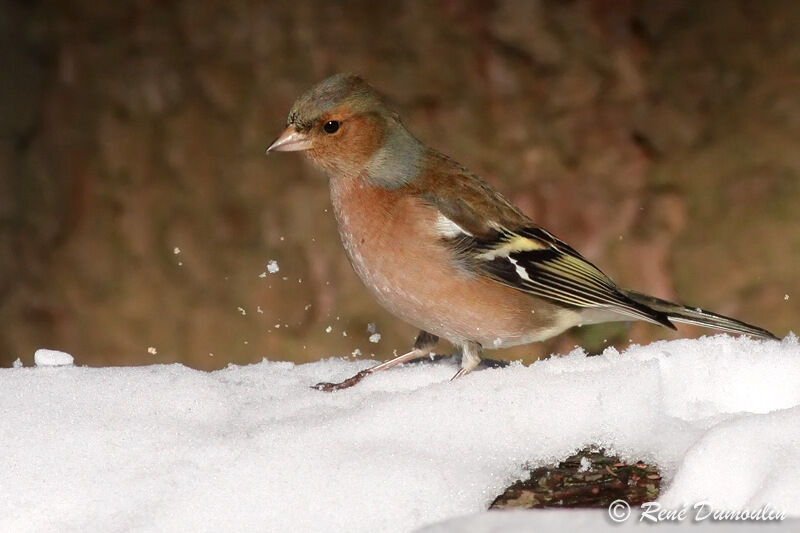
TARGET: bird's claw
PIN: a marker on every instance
(349, 382)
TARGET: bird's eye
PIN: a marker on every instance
(332, 126)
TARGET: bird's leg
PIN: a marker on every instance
(470, 358)
(423, 346)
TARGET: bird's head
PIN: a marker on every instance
(346, 128)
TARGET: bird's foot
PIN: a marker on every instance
(461, 372)
(349, 382)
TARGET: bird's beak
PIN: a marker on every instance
(290, 140)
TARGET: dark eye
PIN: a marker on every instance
(331, 126)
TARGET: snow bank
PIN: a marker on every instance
(167, 448)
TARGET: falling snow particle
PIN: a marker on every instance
(258, 309)
(272, 266)
(277, 326)
(176, 250)
(785, 296)
(17, 363)
(375, 338)
(328, 329)
(307, 307)
(152, 350)
(356, 353)
(371, 328)
(344, 334)
(241, 310)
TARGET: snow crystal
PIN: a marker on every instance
(328, 329)
(167, 448)
(43, 357)
(176, 250)
(272, 266)
(152, 350)
(375, 338)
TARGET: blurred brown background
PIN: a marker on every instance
(138, 210)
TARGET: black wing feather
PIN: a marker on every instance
(534, 261)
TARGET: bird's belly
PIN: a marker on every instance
(414, 276)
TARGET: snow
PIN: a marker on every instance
(254, 448)
(44, 357)
(272, 266)
(375, 338)
(587, 521)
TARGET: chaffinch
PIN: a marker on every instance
(441, 249)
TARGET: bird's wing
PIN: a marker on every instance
(490, 237)
(532, 260)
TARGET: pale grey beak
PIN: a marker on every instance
(290, 140)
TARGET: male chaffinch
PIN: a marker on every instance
(441, 249)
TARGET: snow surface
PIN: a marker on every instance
(588, 521)
(254, 448)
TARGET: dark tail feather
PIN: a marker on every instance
(697, 316)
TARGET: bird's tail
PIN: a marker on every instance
(696, 316)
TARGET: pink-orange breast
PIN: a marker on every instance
(392, 244)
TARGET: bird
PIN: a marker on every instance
(441, 249)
